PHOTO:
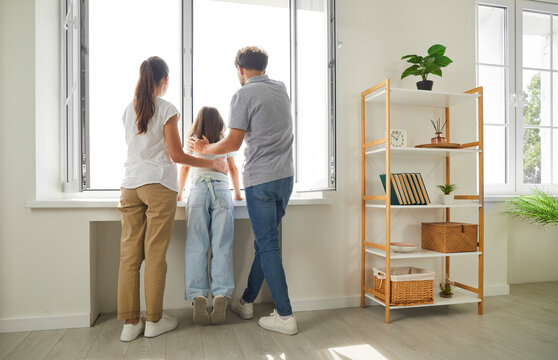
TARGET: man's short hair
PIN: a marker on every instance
(251, 58)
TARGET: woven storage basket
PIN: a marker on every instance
(449, 237)
(409, 285)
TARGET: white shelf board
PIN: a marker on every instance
(413, 97)
(459, 297)
(419, 253)
(422, 152)
(429, 206)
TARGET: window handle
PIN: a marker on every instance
(517, 100)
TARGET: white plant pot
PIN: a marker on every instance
(446, 199)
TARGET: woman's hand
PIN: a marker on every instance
(220, 165)
(198, 145)
(237, 197)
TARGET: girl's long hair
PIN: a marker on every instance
(152, 71)
(209, 123)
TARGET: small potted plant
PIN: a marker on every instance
(425, 65)
(446, 288)
(447, 189)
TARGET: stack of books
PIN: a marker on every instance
(407, 189)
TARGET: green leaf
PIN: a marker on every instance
(412, 70)
(406, 57)
(437, 50)
(443, 61)
(430, 68)
(437, 72)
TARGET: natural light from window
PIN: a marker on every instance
(122, 34)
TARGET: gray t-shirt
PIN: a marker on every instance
(262, 108)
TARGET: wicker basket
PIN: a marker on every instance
(449, 237)
(409, 285)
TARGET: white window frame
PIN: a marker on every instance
(548, 8)
(71, 173)
(75, 171)
(514, 90)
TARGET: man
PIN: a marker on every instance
(260, 115)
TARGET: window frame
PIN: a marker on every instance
(514, 90)
(545, 8)
(76, 171)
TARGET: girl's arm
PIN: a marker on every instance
(233, 172)
(172, 139)
(184, 170)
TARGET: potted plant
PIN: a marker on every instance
(446, 288)
(539, 208)
(447, 189)
(429, 64)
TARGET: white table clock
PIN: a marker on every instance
(398, 138)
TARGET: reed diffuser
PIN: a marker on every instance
(438, 128)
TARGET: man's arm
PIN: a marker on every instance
(229, 143)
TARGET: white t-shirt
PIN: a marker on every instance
(212, 174)
(148, 160)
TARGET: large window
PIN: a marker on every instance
(517, 64)
(199, 40)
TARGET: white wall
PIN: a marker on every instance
(44, 267)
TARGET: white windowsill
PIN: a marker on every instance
(112, 202)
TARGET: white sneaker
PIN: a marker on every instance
(167, 323)
(131, 332)
(200, 315)
(219, 313)
(274, 322)
(246, 310)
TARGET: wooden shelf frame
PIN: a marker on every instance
(431, 99)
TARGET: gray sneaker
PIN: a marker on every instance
(219, 313)
(246, 310)
(200, 310)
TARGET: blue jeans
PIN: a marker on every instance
(266, 206)
(209, 219)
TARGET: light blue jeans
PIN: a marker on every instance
(210, 219)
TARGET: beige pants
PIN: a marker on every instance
(147, 220)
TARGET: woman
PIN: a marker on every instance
(148, 199)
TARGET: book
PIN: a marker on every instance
(394, 198)
(409, 191)
(423, 188)
(396, 188)
(402, 189)
(416, 185)
(413, 188)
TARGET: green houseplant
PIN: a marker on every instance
(446, 289)
(447, 189)
(538, 208)
(425, 65)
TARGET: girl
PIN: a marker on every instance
(209, 214)
(148, 199)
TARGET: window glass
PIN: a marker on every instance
(122, 34)
(220, 29)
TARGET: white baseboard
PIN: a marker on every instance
(497, 290)
(323, 304)
(354, 301)
(51, 322)
(84, 320)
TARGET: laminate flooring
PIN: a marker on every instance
(523, 325)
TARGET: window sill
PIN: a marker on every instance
(112, 202)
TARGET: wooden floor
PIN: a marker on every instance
(522, 326)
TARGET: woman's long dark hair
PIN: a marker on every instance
(152, 71)
(209, 123)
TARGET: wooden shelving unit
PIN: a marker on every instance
(383, 93)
